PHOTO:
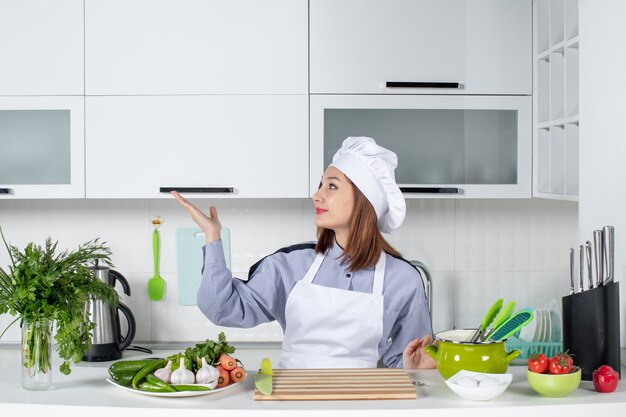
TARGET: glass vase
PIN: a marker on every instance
(36, 355)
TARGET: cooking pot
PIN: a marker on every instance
(455, 353)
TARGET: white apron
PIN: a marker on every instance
(330, 327)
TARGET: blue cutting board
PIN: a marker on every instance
(189, 243)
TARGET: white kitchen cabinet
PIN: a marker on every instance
(41, 47)
(223, 146)
(447, 146)
(556, 119)
(42, 147)
(357, 46)
(142, 47)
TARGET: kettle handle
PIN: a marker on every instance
(130, 335)
(119, 277)
(512, 355)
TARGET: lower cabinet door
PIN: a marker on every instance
(211, 146)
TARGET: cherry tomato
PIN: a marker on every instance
(538, 363)
(560, 365)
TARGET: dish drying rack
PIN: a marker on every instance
(530, 348)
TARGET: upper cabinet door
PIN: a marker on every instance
(42, 147)
(358, 46)
(41, 47)
(136, 47)
(214, 146)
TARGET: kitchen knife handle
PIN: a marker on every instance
(581, 268)
(6, 191)
(589, 267)
(421, 84)
(599, 254)
(429, 190)
(609, 252)
(571, 270)
(197, 189)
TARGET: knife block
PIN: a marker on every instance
(591, 328)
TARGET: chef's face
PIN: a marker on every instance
(334, 201)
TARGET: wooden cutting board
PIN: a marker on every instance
(339, 384)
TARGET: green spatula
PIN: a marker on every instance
(512, 325)
(156, 284)
(491, 314)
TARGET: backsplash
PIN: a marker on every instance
(476, 250)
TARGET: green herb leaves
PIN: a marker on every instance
(210, 350)
(44, 284)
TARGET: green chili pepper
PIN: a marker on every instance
(124, 379)
(190, 388)
(147, 369)
(151, 379)
(146, 386)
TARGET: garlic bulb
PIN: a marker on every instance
(165, 374)
(207, 374)
(182, 375)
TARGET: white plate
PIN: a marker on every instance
(539, 327)
(555, 320)
(173, 394)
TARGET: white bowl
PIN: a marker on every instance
(459, 383)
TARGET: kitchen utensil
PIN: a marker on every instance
(487, 319)
(453, 353)
(502, 316)
(581, 269)
(571, 270)
(589, 266)
(107, 342)
(527, 333)
(190, 259)
(263, 378)
(512, 325)
(608, 233)
(598, 244)
(156, 284)
(344, 384)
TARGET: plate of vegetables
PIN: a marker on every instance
(206, 368)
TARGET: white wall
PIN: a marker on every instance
(602, 130)
(477, 251)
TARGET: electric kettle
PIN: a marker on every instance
(107, 341)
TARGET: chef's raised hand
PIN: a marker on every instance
(414, 355)
(210, 225)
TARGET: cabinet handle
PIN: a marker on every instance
(197, 189)
(421, 84)
(429, 190)
(6, 191)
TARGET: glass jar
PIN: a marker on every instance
(36, 354)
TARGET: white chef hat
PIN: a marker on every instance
(371, 168)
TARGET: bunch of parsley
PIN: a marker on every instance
(43, 285)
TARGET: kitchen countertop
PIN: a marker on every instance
(86, 392)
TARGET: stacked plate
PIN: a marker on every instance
(545, 327)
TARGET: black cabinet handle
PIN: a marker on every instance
(6, 191)
(421, 84)
(429, 190)
(197, 189)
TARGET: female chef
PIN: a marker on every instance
(347, 301)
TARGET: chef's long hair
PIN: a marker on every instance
(365, 242)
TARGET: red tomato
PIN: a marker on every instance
(561, 365)
(605, 379)
(538, 363)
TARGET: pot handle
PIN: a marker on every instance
(512, 355)
(432, 351)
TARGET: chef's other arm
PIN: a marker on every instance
(412, 323)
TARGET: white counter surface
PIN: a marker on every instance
(85, 392)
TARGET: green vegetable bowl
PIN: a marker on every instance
(455, 353)
(551, 385)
